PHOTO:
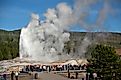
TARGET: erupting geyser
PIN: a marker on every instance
(44, 40)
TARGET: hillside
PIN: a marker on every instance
(9, 41)
(9, 44)
(108, 38)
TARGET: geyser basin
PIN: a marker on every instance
(44, 40)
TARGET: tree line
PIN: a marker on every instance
(9, 44)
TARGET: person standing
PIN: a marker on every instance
(16, 75)
(95, 76)
(4, 76)
(12, 75)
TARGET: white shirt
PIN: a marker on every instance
(16, 74)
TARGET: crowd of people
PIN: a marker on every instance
(13, 75)
(49, 68)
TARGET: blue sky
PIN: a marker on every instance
(15, 14)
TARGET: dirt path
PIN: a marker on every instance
(51, 76)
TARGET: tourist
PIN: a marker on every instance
(36, 76)
(12, 75)
(16, 75)
(31, 68)
(4, 76)
(76, 75)
(95, 76)
(27, 68)
(48, 68)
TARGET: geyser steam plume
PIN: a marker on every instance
(44, 40)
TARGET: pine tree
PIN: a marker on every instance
(106, 62)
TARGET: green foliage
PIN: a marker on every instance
(105, 61)
(9, 44)
(1, 56)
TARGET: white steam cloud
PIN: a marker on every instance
(44, 40)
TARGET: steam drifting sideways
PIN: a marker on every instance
(44, 40)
